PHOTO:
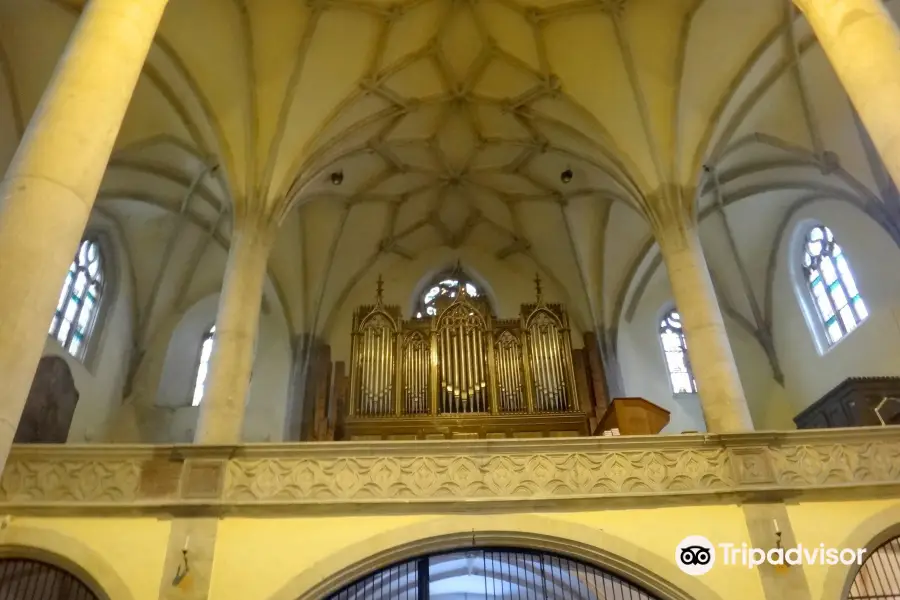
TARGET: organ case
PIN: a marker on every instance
(462, 373)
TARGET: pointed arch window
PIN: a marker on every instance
(447, 286)
(831, 284)
(206, 348)
(79, 300)
(674, 344)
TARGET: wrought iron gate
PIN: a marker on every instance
(23, 579)
(492, 575)
(879, 576)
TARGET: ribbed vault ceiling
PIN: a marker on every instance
(451, 121)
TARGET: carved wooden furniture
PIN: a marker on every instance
(462, 373)
(633, 416)
(852, 403)
(50, 406)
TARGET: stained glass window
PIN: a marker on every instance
(671, 333)
(445, 286)
(79, 300)
(831, 284)
(206, 348)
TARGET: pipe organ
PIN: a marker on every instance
(462, 373)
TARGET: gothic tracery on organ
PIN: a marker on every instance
(461, 361)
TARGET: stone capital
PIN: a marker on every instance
(672, 213)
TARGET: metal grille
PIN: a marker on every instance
(400, 582)
(879, 576)
(22, 579)
(493, 575)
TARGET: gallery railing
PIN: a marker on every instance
(462, 361)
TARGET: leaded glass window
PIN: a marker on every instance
(445, 286)
(831, 284)
(671, 333)
(79, 300)
(206, 348)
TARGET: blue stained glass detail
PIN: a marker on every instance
(824, 261)
(78, 304)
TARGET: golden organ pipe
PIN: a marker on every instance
(482, 375)
(410, 367)
(370, 369)
(385, 374)
(479, 357)
(548, 397)
(473, 357)
(464, 405)
(448, 372)
(565, 392)
(454, 341)
(424, 377)
(463, 364)
(374, 350)
(535, 372)
(548, 373)
(473, 367)
(373, 370)
(557, 372)
(510, 366)
(382, 383)
(470, 373)
(551, 367)
(557, 365)
(382, 372)
(515, 378)
(539, 367)
(502, 377)
(367, 362)
(379, 368)
(508, 358)
(507, 376)
(442, 339)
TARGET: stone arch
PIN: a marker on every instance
(68, 554)
(616, 555)
(50, 406)
(870, 534)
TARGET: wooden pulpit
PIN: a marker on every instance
(633, 416)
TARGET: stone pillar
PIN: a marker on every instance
(863, 45)
(718, 384)
(237, 324)
(52, 182)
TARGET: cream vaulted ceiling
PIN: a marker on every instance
(451, 122)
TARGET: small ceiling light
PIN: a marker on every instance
(337, 178)
(566, 176)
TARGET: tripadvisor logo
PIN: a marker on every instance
(696, 555)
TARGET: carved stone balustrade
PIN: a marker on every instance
(426, 476)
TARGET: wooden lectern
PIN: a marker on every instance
(633, 416)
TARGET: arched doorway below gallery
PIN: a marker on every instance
(492, 574)
(27, 579)
(879, 576)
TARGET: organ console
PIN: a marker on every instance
(462, 373)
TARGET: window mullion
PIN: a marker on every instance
(80, 306)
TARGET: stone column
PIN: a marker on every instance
(718, 384)
(52, 182)
(237, 324)
(863, 45)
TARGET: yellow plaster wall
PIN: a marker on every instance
(131, 549)
(275, 551)
(836, 525)
(278, 558)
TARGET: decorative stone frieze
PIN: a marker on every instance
(603, 472)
